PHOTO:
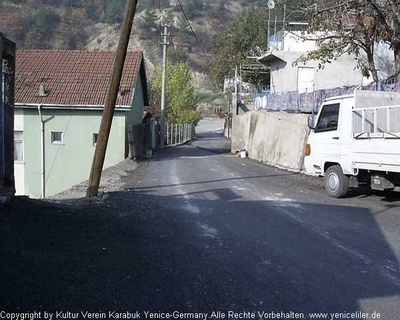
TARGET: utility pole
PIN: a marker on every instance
(165, 43)
(109, 107)
(236, 92)
(269, 18)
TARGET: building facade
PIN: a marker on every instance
(287, 76)
(59, 105)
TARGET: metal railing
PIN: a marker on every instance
(310, 101)
(377, 122)
(178, 133)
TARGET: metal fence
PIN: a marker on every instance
(145, 137)
(178, 133)
(310, 102)
(245, 88)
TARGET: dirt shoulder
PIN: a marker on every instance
(112, 179)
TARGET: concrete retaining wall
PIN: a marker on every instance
(274, 138)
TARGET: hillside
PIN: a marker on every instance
(94, 25)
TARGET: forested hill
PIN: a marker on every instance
(94, 24)
(64, 24)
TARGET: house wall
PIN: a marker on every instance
(275, 138)
(339, 73)
(284, 75)
(69, 163)
(291, 41)
(135, 116)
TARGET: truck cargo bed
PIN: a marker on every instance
(376, 138)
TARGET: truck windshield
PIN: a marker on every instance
(328, 119)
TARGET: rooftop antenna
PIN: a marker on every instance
(271, 5)
(275, 39)
(284, 16)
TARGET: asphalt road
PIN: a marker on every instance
(200, 230)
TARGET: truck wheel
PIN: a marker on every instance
(336, 183)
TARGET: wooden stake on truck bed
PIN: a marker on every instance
(109, 107)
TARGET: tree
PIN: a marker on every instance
(244, 37)
(204, 38)
(34, 1)
(193, 8)
(148, 23)
(183, 27)
(147, 4)
(350, 26)
(15, 24)
(168, 17)
(115, 11)
(45, 19)
(180, 95)
(177, 55)
(95, 9)
(221, 5)
(70, 33)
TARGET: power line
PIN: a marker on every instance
(190, 25)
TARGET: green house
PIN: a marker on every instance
(60, 97)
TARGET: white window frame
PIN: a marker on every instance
(54, 141)
(20, 141)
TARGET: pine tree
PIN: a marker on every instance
(183, 28)
(193, 8)
(115, 11)
(168, 17)
(148, 23)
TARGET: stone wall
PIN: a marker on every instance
(274, 138)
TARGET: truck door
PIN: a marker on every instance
(325, 139)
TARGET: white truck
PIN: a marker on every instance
(355, 139)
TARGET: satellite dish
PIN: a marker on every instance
(271, 4)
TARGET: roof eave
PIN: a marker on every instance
(269, 58)
(143, 78)
(69, 107)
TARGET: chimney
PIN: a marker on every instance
(42, 90)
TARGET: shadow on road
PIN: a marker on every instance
(366, 192)
(138, 252)
(282, 174)
(190, 150)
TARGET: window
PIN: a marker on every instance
(95, 137)
(18, 146)
(57, 137)
(328, 119)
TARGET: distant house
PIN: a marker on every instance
(183, 45)
(60, 97)
(286, 47)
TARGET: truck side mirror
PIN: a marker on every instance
(311, 122)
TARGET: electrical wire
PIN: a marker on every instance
(190, 25)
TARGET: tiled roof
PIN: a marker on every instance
(72, 77)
